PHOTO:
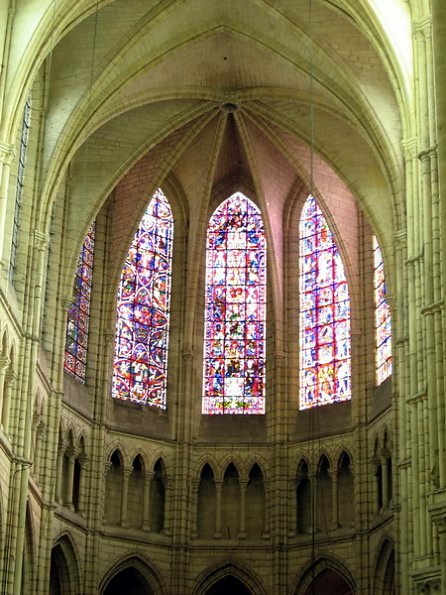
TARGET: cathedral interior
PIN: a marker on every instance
(222, 319)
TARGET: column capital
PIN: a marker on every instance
(7, 153)
(423, 28)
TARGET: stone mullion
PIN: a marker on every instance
(70, 479)
(384, 465)
(194, 508)
(218, 489)
(83, 462)
(59, 477)
(334, 498)
(243, 486)
(146, 502)
(124, 496)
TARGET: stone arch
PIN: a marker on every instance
(211, 577)
(303, 494)
(114, 479)
(210, 462)
(324, 494)
(255, 502)
(157, 498)
(325, 575)
(133, 566)
(64, 573)
(345, 488)
(384, 568)
(206, 503)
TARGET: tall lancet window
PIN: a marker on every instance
(76, 341)
(143, 309)
(234, 337)
(325, 365)
(23, 148)
(383, 321)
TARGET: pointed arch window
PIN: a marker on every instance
(23, 148)
(76, 341)
(143, 309)
(234, 338)
(383, 319)
(325, 364)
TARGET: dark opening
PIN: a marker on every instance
(228, 584)
(329, 582)
(128, 581)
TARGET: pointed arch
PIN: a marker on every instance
(235, 311)
(213, 577)
(142, 574)
(143, 309)
(326, 575)
(64, 573)
(383, 318)
(325, 362)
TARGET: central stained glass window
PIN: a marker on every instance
(325, 364)
(234, 339)
(142, 321)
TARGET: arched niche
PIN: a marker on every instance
(329, 581)
(128, 580)
(228, 584)
(131, 575)
(64, 572)
(325, 576)
(228, 578)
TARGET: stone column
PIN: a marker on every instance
(83, 463)
(124, 496)
(72, 454)
(243, 485)
(60, 484)
(194, 498)
(218, 488)
(146, 502)
(335, 499)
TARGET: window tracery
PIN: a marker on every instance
(143, 309)
(234, 341)
(325, 365)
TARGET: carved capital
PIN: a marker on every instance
(7, 153)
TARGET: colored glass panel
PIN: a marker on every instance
(142, 321)
(383, 321)
(24, 137)
(79, 311)
(325, 365)
(234, 339)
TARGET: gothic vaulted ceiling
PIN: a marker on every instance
(227, 92)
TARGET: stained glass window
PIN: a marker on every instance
(325, 366)
(24, 136)
(234, 340)
(79, 311)
(383, 322)
(142, 321)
